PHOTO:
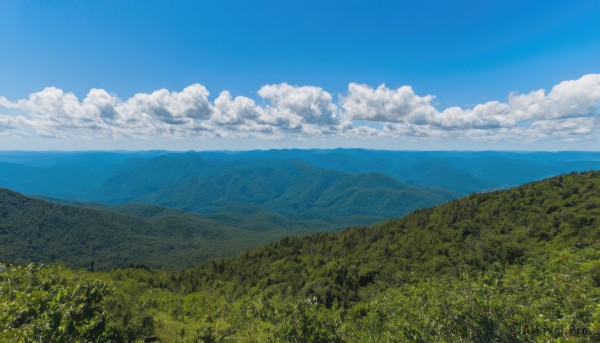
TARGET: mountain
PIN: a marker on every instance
(293, 189)
(77, 175)
(473, 233)
(289, 189)
(516, 265)
(41, 231)
(482, 268)
(68, 175)
(446, 176)
(460, 171)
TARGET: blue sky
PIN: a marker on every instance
(463, 53)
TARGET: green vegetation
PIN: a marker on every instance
(304, 195)
(39, 231)
(306, 189)
(55, 304)
(471, 234)
(508, 266)
(541, 301)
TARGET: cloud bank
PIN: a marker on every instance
(569, 111)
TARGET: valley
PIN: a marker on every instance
(534, 245)
(171, 209)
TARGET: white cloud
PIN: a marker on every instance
(173, 108)
(569, 111)
(102, 104)
(386, 105)
(575, 98)
(493, 114)
(534, 115)
(234, 110)
(13, 126)
(565, 128)
(306, 104)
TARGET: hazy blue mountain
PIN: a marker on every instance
(318, 188)
(291, 188)
(63, 174)
(460, 171)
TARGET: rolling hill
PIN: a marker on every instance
(507, 227)
(213, 181)
(33, 230)
(463, 172)
(515, 265)
(293, 189)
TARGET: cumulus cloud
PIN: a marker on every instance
(493, 114)
(173, 108)
(387, 105)
(569, 111)
(405, 112)
(575, 98)
(306, 104)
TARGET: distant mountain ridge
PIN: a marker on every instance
(316, 189)
(291, 188)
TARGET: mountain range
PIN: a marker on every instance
(304, 189)
(484, 268)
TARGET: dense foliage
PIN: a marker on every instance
(469, 234)
(541, 301)
(55, 304)
(508, 266)
(41, 231)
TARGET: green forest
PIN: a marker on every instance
(516, 265)
(33, 230)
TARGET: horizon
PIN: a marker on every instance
(288, 149)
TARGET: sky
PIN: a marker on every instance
(236, 75)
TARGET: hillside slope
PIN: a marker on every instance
(506, 227)
(520, 265)
(41, 231)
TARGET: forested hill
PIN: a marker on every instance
(534, 220)
(33, 230)
(318, 189)
(294, 189)
(520, 265)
